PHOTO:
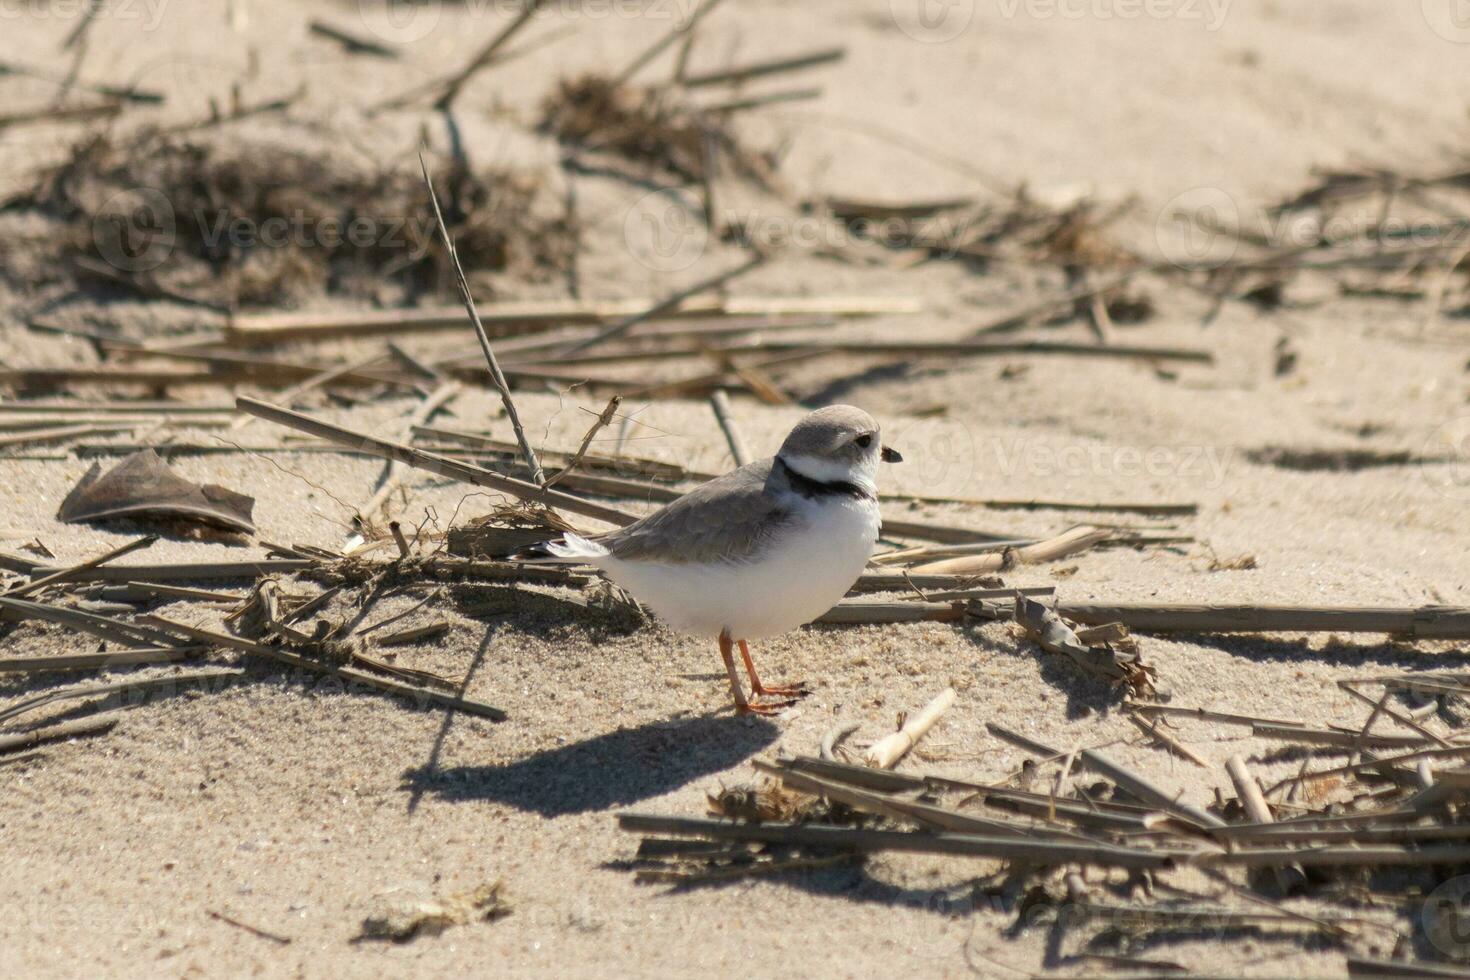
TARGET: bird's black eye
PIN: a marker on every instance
(864, 441)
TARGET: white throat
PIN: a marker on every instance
(831, 471)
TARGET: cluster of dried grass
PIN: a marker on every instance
(653, 128)
(248, 222)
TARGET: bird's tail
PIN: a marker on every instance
(567, 549)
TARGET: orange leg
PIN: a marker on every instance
(742, 704)
(796, 690)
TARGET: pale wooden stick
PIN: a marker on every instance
(1331, 736)
(273, 328)
(1425, 622)
(58, 434)
(97, 661)
(1290, 877)
(665, 305)
(95, 725)
(67, 573)
(902, 556)
(974, 845)
(469, 304)
(1072, 542)
(327, 376)
(123, 407)
(1346, 857)
(885, 753)
(188, 571)
(980, 348)
(1248, 790)
(433, 463)
(719, 402)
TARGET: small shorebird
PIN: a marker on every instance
(758, 551)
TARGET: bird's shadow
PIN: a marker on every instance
(616, 768)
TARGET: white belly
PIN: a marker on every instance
(798, 579)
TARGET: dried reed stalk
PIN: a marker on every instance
(1072, 542)
(885, 753)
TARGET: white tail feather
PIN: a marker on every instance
(571, 548)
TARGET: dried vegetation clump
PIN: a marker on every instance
(649, 127)
(254, 223)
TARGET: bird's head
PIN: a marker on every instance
(838, 443)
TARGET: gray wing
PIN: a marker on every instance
(730, 518)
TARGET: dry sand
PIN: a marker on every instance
(287, 805)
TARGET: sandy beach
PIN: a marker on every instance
(249, 825)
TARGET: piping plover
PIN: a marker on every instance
(758, 551)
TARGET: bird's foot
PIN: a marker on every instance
(765, 710)
(794, 690)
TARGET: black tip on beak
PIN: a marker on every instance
(891, 455)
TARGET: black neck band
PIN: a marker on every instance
(815, 489)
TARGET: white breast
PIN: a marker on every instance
(807, 569)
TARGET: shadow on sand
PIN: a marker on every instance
(615, 769)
